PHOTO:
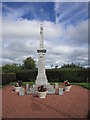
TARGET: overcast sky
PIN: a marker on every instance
(65, 32)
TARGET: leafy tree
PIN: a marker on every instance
(72, 65)
(56, 66)
(11, 68)
(0, 69)
(29, 63)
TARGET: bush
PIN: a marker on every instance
(27, 75)
(8, 77)
(74, 75)
(19, 83)
(55, 75)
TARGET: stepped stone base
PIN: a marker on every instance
(49, 87)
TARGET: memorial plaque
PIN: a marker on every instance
(60, 91)
(56, 85)
(21, 91)
(27, 86)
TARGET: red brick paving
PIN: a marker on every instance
(72, 104)
(0, 103)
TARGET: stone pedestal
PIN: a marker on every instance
(41, 77)
(49, 87)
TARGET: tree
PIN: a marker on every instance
(72, 65)
(0, 69)
(56, 66)
(29, 63)
(11, 68)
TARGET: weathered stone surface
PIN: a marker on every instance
(34, 90)
(60, 91)
(56, 85)
(27, 86)
(41, 77)
(50, 89)
(21, 91)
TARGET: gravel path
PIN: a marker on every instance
(72, 104)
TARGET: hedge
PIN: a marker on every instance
(73, 75)
(7, 78)
(26, 75)
(53, 75)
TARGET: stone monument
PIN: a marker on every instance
(41, 77)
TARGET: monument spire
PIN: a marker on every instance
(41, 36)
(41, 77)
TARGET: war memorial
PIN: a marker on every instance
(41, 77)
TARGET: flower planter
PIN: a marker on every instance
(42, 94)
(66, 88)
(17, 89)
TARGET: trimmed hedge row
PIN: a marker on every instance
(7, 78)
(27, 75)
(53, 75)
(73, 75)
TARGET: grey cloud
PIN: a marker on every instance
(21, 39)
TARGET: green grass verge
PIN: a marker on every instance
(85, 85)
(24, 83)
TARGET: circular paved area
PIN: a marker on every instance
(72, 104)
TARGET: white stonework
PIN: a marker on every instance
(41, 77)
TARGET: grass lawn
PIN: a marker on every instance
(85, 85)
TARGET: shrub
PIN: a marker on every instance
(8, 77)
(55, 75)
(19, 83)
(74, 75)
(27, 75)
